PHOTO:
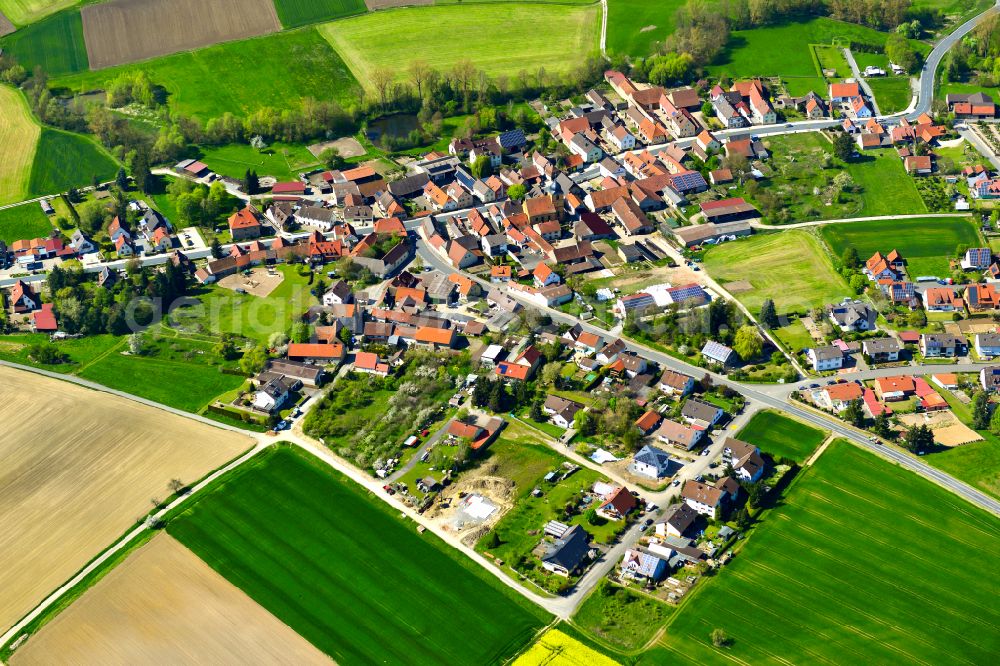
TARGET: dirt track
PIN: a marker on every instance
(163, 605)
(124, 31)
(79, 467)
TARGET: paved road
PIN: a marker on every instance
(845, 220)
(763, 394)
(861, 80)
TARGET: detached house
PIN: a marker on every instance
(744, 458)
(881, 350)
(825, 358)
(706, 499)
(651, 462)
(938, 345)
(678, 435)
(701, 414)
(675, 383)
(561, 411)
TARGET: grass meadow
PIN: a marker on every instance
(926, 244)
(18, 141)
(54, 43)
(64, 160)
(23, 222)
(346, 573)
(892, 93)
(862, 562)
(790, 267)
(634, 26)
(781, 436)
(241, 77)
(295, 13)
(888, 189)
(283, 161)
(532, 36)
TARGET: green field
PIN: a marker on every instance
(620, 616)
(795, 336)
(81, 351)
(224, 311)
(891, 93)
(241, 77)
(832, 57)
(295, 13)
(283, 161)
(753, 52)
(862, 563)
(781, 436)
(64, 160)
(23, 222)
(790, 267)
(347, 573)
(184, 385)
(55, 44)
(870, 59)
(533, 36)
(888, 189)
(926, 244)
(635, 25)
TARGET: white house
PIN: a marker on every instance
(271, 396)
(651, 462)
(987, 345)
(825, 358)
(339, 293)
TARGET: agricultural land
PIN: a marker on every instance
(927, 244)
(22, 12)
(117, 32)
(64, 160)
(781, 436)
(18, 141)
(238, 77)
(790, 267)
(535, 36)
(814, 568)
(163, 603)
(66, 497)
(295, 13)
(54, 43)
(286, 533)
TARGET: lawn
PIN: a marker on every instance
(533, 36)
(188, 385)
(851, 568)
(753, 52)
(790, 267)
(64, 160)
(795, 336)
(224, 311)
(23, 222)
(295, 13)
(242, 77)
(892, 93)
(635, 25)
(81, 351)
(18, 141)
(346, 573)
(283, 161)
(926, 244)
(832, 57)
(618, 616)
(888, 189)
(55, 44)
(865, 59)
(781, 436)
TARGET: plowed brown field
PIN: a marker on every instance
(78, 468)
(123, 31)
(163, 605)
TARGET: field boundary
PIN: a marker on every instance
(44, 611)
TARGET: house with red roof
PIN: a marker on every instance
(244, 225)
(617, 504)
(43, 320)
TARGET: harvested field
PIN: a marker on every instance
(120, 31)
(260, 282)
(6, 27)
(18, 141)
(347, 147)
(375, 5)
(164, 605)
(67, 495)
